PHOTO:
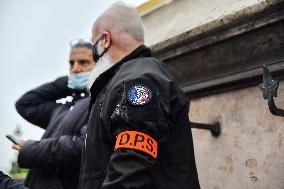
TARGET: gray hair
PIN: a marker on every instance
(123, 18)
(80, 43)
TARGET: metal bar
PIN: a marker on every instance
(215, 128)
(269, 89)
(273, 108)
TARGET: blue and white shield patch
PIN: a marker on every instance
(139, 95)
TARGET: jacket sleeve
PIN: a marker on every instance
(37, 105)
(8, 183)
(137, 127)
(63, 151)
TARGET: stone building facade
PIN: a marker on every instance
(215, 48)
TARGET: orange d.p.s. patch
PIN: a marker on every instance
(137, 141)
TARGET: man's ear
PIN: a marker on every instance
(106, 39)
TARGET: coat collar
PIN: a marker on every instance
(105, 77)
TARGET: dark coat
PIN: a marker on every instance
(8, 183)
(138, 135)
(54, 161)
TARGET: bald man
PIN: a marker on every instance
(138, 135)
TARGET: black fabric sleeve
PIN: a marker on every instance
(8, 183)
(37, 105)
(139, 111)
(63, 151)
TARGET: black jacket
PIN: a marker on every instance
(54, 161)
(138, 134)
(8, 183)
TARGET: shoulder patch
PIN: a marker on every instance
(137, 141)
(139, 94)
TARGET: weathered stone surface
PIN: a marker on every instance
(179, 16)
(231, 60)
(249, 152)
(214, 49)
(225, 53)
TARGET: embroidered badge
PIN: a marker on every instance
(139, 95)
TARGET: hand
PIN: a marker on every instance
(18, 146)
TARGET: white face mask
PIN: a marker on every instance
(102, 65)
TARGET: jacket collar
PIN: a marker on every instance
(104, 78)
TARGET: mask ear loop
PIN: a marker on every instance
(105, 50)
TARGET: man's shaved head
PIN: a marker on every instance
(121, 18)
(116, 33)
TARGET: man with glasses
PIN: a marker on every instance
(54, 161)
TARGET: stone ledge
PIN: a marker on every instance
(234, 24)
(222, 55)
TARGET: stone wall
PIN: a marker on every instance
(178, 16)
(249, 153)
(214, 49)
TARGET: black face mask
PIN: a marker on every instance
(96, 55)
